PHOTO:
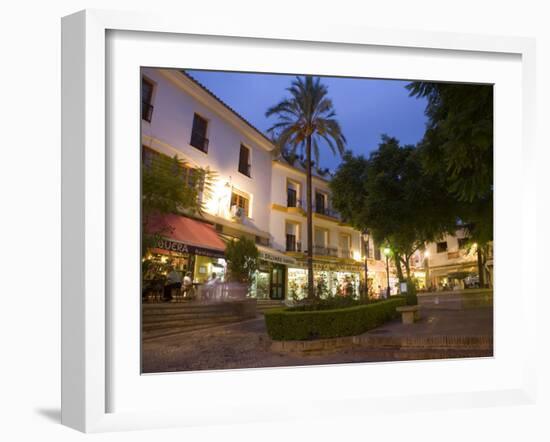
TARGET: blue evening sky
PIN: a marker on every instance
(365, 108)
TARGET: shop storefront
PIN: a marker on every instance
(270, 279)
(186, 245)
(330, 279)
(201, 262)
(453, 278)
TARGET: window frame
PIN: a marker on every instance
(241, 196)
(248, 171)
(437, 248)
(205, 146)
(149, 103)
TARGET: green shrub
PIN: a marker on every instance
(298, 324)
(411, 293)
(333, 302)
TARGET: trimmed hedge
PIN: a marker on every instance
(291, 325)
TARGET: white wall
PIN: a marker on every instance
(172, 122)
(439, 259)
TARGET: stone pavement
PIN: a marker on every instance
(247, 345)
(439, 322)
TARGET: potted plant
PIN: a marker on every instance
(242, 263)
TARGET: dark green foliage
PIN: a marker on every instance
(411, 293)
(390, 195)
(458, 148)
(307, 113)
(242, 260)
(292, 324)
(330, 303)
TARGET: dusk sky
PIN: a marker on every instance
(365, 108)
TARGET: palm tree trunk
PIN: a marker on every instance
(310, 287)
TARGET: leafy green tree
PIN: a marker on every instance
(304, 119)
(458, 148)
(242, 260)
(391, 196)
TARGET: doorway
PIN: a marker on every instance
(277, 282)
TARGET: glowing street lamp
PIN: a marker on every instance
(387, 252)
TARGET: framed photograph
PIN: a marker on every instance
(272, 210)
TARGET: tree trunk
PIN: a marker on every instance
(407, 263)
(310, 287)
(480, 269)
(398, 269)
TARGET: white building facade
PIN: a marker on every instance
(452, 263)
(253, 194)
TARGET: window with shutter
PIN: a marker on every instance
(320, 202)
(244, 161)
(198, 133)
(146, 99)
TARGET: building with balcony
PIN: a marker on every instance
(252, 194)
(452, 263)
(182, 118)
(338, 249)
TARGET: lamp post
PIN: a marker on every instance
(366, 234)
(387, 252)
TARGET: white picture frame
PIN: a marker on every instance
(86, 317)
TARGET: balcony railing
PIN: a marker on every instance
(293, 202)
(292, 245)
(345, 253)
(326, 211)
(199, 141)
(146, 111)
(325, 251)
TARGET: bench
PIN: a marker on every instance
(409, 313)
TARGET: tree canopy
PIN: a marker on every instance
(389, 194)
(242, 260)
(308, 112)
(458, 148)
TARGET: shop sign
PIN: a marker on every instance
(278, 259)
(174, 246)
(331, 267)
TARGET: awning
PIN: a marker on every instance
(185, 235)
(272, 255)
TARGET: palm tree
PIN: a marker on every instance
(303, 120)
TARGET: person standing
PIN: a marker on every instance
(173, 281)
(187, 286)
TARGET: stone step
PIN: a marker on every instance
(164, 316)
(160, 325)
(183, 307)
(163, 333)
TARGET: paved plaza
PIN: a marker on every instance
(247, 345)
